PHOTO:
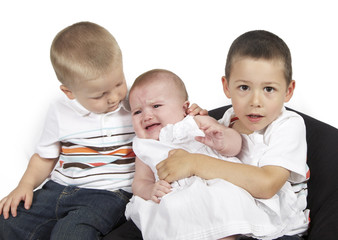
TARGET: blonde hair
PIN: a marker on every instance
(157, 74)
(83, 51)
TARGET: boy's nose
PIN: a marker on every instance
(111, 98)
(256, 100)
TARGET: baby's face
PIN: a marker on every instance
(103, 94)
(155, 105)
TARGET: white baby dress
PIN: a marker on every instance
(205, 209)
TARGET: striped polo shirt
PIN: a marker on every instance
(94, 150)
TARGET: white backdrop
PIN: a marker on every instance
(189, 37)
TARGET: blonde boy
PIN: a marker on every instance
(85, 147)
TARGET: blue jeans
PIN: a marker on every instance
(66, 212)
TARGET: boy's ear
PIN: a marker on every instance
(226, 87)
(290, 90)
(68, 92)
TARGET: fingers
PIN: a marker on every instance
(10, 204)
(161, 188)
(28, 201)
(2, 202)
(13, 205)
(200, 139)
(194, 110)
(162, 166)
(6, 206)
(203, 112)
(171, 152)
(162, 170)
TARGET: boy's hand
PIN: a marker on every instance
(160, 189)
(178, 165)
(10, 203)
(194, 110)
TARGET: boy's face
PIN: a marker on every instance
(100, 95)
(258, 90)
(155, 105)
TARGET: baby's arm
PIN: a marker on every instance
(37, 171)
(260, 182)
(144, 184)
(224, 140)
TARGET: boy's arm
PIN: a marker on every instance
(37, 171)
(144, 184)
(260, 182)
(224, 140)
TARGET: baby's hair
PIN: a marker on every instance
(84, 51)
(157, 74)
(260, 44)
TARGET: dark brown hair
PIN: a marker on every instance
(260, 44)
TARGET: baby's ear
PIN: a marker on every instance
(186, 105)
(68, 92)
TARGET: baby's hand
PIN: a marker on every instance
(215, 133)
(160, 189)
(11, 202)
(194, 110)
(224, 140)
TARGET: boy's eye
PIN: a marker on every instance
(99, 97)
(156, 106)
(244, 87)
(269, 89)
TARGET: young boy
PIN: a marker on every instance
(258, 79)
(85, 147)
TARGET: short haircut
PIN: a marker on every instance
(149, 76)
(260, 44)
(84, 51)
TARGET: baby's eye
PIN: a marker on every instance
(269, 89)
(137, 112)
(156, 106)
(244, 87)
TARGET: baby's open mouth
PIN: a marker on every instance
(152, 125)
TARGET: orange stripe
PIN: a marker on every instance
(126, 151)
(97, 164)
(308, 174)
(78, 150)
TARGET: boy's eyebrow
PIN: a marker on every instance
(265, 83)
(241, 81)
(271, 83)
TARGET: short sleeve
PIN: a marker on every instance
(286, 140)
(49, 146)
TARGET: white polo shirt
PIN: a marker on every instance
(94, 150)
(282, 143)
